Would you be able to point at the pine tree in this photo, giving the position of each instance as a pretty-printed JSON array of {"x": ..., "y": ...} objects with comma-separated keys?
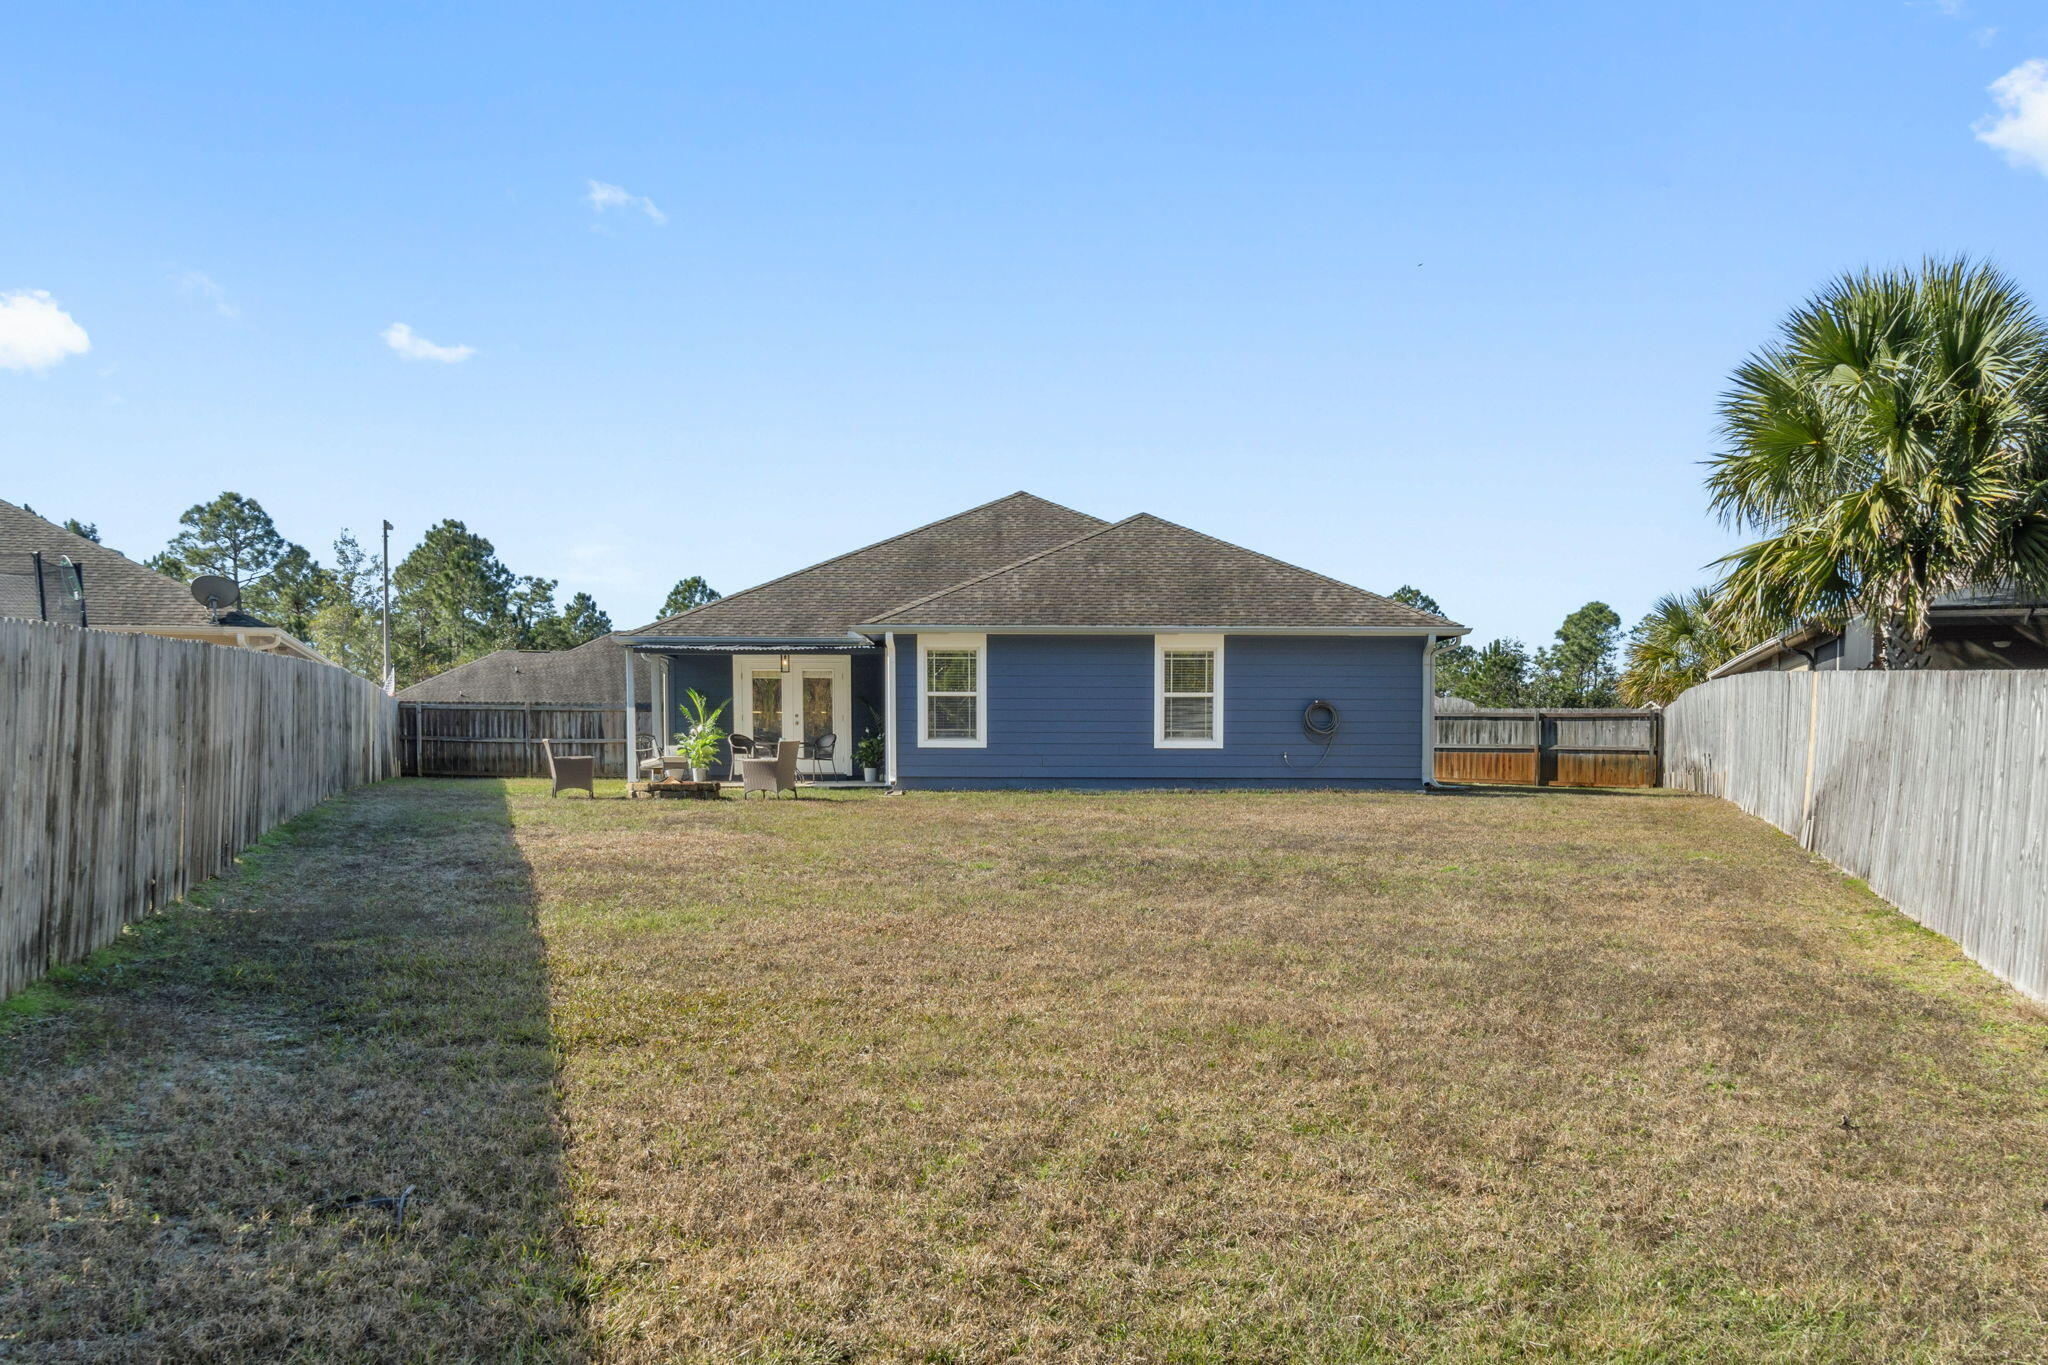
[
  {"x": 232, "y": 536},
  {"x": 584, "y": 620},
  {"x": 688, "y": 594},
  {"x": 348, "y": 627},
  {"x": 1494, "y": 675},
  {"x": 453, "y": 602},
  {"x": 291, "y": 594},
  {"x": 1579, "y": 670}
]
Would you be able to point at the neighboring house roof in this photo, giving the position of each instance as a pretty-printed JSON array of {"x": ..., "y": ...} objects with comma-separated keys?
[
  {"x": 1145, "y": 572},
  {"x": 1785, "y": 642},
  {"x": 1950, "y": 617},
  {"x": 832, "y": 599},
  {"x": 119, "y": 593},
  {"x": 592, "y": 673}
]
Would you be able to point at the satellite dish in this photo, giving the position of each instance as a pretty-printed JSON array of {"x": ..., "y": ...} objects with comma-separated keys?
[{"x": 214, "y": 592}]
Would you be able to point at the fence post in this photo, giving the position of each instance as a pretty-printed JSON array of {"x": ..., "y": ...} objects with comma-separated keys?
[{"x": 1812, "y": 745}]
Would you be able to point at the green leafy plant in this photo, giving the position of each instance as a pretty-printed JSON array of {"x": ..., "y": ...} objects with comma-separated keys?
[
  {"x": 698, "y": 745},
  {"x": 1682, "y": 640},
  {"x": 871, "y": 752}
]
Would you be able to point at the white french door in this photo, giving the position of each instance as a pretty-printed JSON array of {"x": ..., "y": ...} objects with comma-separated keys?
[{"x": 813, "y": 697}]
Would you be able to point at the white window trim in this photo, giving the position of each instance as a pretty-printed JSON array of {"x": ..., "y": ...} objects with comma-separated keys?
[
  {"x": 977, "y": 643},
  {"x": 1160, "y": 645}
]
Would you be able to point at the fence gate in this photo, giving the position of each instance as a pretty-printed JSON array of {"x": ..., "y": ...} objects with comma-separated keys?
[{"x": 1579, "y": 748}]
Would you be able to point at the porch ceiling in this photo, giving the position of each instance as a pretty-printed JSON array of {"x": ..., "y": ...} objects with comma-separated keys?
[{"x": 755, "y": 647}]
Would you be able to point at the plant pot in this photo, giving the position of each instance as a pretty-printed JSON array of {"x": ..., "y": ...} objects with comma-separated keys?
[
  {"x": 700, "y": 774},
  {"x": 872, "y": 774}
]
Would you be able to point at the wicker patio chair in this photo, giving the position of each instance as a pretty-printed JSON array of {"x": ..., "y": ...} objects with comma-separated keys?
[
  {"x": 771, "y": 775},
  {"x": 570, "y": 773}
]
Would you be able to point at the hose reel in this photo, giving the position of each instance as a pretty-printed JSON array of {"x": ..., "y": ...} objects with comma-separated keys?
[{"x": 1320, "y": 721}]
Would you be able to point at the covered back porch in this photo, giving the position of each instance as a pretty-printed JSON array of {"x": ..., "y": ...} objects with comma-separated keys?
[{"x": 829, "y": 695}]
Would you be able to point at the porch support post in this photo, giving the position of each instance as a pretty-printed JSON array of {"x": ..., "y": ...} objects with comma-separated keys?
[
  {"x": 889, "y": 707},
  {"x": 665, "y": 708},
  {"x": 1429, "y": 710},
  {"x": 632, "y": 726}
]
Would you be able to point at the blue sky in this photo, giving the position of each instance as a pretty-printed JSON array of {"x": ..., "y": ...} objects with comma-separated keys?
[{"x": 1431, "y": 294}]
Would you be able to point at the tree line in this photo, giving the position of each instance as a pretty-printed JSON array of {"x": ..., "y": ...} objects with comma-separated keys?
[
  {"x": 1889, "y": 447},
  {"x": 452, "y": 598},
  {"x": 1579, "y": 669}
]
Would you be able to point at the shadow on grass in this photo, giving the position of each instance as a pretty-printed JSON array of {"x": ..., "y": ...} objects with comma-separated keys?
[
  {"x": 190, "y": 1132},
  {"x": 1475, "y": 789}
]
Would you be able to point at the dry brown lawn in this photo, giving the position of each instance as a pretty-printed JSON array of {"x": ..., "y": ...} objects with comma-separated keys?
[{"x": 1147, "y": 1077}]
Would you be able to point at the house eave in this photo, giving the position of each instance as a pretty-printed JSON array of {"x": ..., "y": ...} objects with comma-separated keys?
[
  {"x": 1441, "y": 632},
  {"x": 259, "y": 639},
  {"x": 1777, "y": 644},
  {"x": 754, "y": 644}
]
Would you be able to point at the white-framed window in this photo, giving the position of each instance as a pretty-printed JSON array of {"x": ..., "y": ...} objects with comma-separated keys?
[
  {"x": 952, "y": 691},
  {"x": 1187, "y": 692}
]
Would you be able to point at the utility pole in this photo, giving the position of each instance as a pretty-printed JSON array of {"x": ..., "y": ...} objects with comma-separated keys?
[{"x": 389, "y": 681}]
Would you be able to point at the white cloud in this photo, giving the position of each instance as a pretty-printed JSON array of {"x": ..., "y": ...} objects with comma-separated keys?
[
  {"x": 2020, "y": 128},
  {"x": 202, "y": 286},
  {"x": 35, "y": 333},
  {"x": 403, "y": 340},
  {"x": 603, "y": 196}
]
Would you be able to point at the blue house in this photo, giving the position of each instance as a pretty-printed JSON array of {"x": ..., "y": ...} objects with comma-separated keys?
[{"x": 1025, "y": 644}]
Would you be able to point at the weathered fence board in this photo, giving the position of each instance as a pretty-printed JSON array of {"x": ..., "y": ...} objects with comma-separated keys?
[
  {"x": 136, "y": 767},
  {"x": 1581, "y": 748},
  {"x": 502, "y": 739},
  {"x": 1930, "y": 785}
]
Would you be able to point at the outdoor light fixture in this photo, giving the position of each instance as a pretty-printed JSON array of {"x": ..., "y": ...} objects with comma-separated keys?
[{"x": 785, "y": 663}]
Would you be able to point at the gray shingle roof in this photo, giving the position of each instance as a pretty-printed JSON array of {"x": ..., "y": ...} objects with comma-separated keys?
[
  {"x": 1144, "y": 572},
  {"x": 833, "y": 598},
  {"x": 592, "y": 673},
  {"x": 118, "y": 591}
]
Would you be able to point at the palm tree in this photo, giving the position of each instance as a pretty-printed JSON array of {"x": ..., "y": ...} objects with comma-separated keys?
[
  {"x": 1674, "y": 647},
  {"x": 1893, "y": 446}
]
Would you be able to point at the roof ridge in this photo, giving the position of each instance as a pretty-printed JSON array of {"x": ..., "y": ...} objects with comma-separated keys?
[
  {"x": 883, "y": 618},
  {"x": 873, "y": 545},
  {"x": 63, "y": 530},
  {"x": 1013, "y": 564},
  {"x": 1312, "y": 573},
  {"x": 133, "y": 582}
]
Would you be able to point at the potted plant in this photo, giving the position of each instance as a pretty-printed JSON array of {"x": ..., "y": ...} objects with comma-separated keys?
[
  {"x": 870, "y": 753},
  {"x": 698, "y": 745}
]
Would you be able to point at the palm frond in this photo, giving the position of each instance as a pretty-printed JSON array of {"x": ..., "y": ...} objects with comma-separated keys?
[{"x": 1891, "y": 446}]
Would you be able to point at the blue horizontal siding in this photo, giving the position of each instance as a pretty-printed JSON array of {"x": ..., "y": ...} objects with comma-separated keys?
[{"x": 1076, "y": 711}]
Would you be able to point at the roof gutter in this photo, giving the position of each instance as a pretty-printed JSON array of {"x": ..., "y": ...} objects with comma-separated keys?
[
  {"x": 1778, "y": 643},
  {"x": 1412, "y": 632},
  {"x": 769, "y": 643}
]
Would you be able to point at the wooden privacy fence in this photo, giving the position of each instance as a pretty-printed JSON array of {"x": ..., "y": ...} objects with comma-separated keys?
[
  {"x": 136, "y": 767},
  {"x": 1577, "y": 748},
  {"x": 1930, "y": 785},
  {"x": 502, "y": 739}
]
